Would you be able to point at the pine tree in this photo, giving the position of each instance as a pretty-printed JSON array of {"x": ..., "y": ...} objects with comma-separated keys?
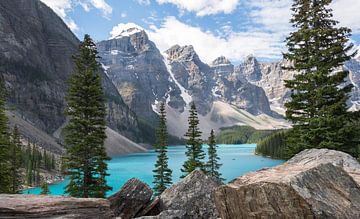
[
  {"x": 53, "y": 162},
  {"x": 85, "y": 133},
  {"x": 162, "y": 173},
  {"x": 213, "y": 165},
  {"x": 5, "y": 178},
  {"x": 44, "y": 189},
  {"x": 194, "y": 153},
  {"x": 317, "y": 51},
  {"x": 15, "y": 162}
]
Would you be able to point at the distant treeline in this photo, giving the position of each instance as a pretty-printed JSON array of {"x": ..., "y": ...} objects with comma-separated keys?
[
  {"x": 241, "y": 135},
  {"x": 273, "y": 145}
]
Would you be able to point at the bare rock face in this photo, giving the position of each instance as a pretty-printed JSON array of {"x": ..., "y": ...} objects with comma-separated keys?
[
  {"x": 307, "y": 186},
  {"x": 39, "y": 206},
  {"x": 131, "y": 199},
  {"x": 36, "y": 62},
  {"x": 193, "y": 195},
  {"x": 313, "y": 157}
]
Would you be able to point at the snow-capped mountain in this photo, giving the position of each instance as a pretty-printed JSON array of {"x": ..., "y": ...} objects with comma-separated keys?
[
  {"x": 144, "y": 76},
  {"x": 271, "y": 76}
]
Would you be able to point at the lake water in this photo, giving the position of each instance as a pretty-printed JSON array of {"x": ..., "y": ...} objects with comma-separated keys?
[{"x": 236, "y": 160}]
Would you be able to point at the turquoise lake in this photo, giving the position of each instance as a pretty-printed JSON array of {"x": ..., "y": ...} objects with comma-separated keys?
[{"x": 236, "y": 160}]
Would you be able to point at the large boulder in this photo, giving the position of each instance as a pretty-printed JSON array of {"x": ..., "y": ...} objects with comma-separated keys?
[
  {"x": 313, "y": 184},
  {"x": 193, "y": 195},
  {"x": 40, "y": 206},
  {"x": 131, "y": 199},
  {"x": 313, "y": 157}
]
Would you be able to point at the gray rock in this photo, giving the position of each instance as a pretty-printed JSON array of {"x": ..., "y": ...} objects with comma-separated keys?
[
  {"x": 36, "y": 61},
  {"x": 131, "y": 199},
  {"x": 313, "y": 157},
  {"x": 308, "y": 186},
  {"x": 40, "y": 206},
  {"x": 193, "y": 194},
  {"x": 168, "y": 214}
]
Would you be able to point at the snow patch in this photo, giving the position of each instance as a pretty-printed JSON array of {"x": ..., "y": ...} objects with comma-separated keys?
[
  {"x": 154, "y": 106},
  {"x": 114, "y": 52},
  {"x": 184, "y": 93},
  {"x": 105, "y": 68}
]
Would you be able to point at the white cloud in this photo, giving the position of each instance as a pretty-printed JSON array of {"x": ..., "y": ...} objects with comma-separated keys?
[
  {"x": 274, "y": 15},
  {"x": 102, "y": 6},
  {"x": 143, "y": 2},
  {"x": 235, "y": 46},
  {"x": 121, "y": 29},
  {"x": 347, "y": 12},
  {"x": 123, "y": 15},
  {"x": 204, "y": 7},
  {"x": 62, "y": 7}
]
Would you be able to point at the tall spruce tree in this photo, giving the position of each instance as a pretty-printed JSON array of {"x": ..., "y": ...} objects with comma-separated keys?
[
  {"x": 195, "y": 154},
  {"x": 85, "y": 133},
  {"x": 44, "y": 188},
  {"x": 15, "y": 162},
  {"x": 5, "y": 178},
  {"x": 162, "y": 172},
  {"x": 213, "y": 165},
  {"x": 317, "y": 51}
]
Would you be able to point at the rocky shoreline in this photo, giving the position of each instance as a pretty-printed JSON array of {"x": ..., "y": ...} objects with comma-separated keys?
[{"x": 316, "y": 183}]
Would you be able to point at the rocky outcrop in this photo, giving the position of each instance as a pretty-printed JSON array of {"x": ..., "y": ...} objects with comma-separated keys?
[
  {"x": 39, "y": 206},
  {"x": 131, "y": 199},
  {"x": 314, "y": 184},
  {"x": 192, "y": 195},
  {"x": 271, "y": 77},
  {"x": 36, "y": 51},
  {"x": 139, "y": 73}
]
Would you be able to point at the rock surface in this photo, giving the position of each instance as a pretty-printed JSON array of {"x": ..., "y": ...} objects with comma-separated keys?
[
  {"x": 35, "y": 206},
  {"x": 36, "y": 51},
  {"x": 131, "y": 199},
  {"x": 193, "y": 195},
  {"x": 307, "y": 186}
]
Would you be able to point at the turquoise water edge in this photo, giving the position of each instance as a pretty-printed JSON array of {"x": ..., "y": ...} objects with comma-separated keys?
[{"x": 236, "y": 160}]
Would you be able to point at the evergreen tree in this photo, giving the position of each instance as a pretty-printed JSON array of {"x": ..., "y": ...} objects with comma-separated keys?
[
  {"x": 317, "y": 51},
  {"x": 162, "y": 173},
  {"x": 85, "y": 133},
  {"x": 15, "y": 162},
  {"x": 44, "y": 189},
  {"x": 53, "y": 162},
  {"x": 29, "y": 165},
  {"x": 194, "y": 153},
  {"x": 4, "y": 143},
  {"x": 213, "y": 165}
]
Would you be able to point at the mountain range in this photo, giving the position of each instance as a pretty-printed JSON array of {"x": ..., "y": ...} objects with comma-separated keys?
[{"x": 36, "y": 62}]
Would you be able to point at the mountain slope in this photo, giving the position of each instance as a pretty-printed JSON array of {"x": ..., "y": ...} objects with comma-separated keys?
[
  {"x": 36, "y": 49},
  {"x": 271, "y": 77},
  {"x": 144, "y": 76}
]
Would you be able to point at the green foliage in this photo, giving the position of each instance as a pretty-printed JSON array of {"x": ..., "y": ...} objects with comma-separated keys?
[
  {"x": 44, "y": 189},
  {"x": 162, "y": 173},
  {"x": 241, "y": 135},
  {"x": 148, "y": 134},
  {"x": 213, "y": 165},
  {"x": 318, "y": 110},
  {"x": 273, "y": 145},
  {"x": 5, "y": 174},
  {"x": 15, "y": 156},
  {"x": 194, "y": 153},
  {"x": 85, "y": 132}
]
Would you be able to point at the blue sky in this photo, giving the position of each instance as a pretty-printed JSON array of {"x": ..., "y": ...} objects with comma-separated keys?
[{"x": 233, "y": 28}]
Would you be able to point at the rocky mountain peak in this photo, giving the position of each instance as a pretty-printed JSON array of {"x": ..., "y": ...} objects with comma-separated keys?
[
  {"x": 251, "y": 68},
  {"x": 220, "y": 61},
  {"x": 182, "y": 53},
  {"x": 126, "y": 30}
]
